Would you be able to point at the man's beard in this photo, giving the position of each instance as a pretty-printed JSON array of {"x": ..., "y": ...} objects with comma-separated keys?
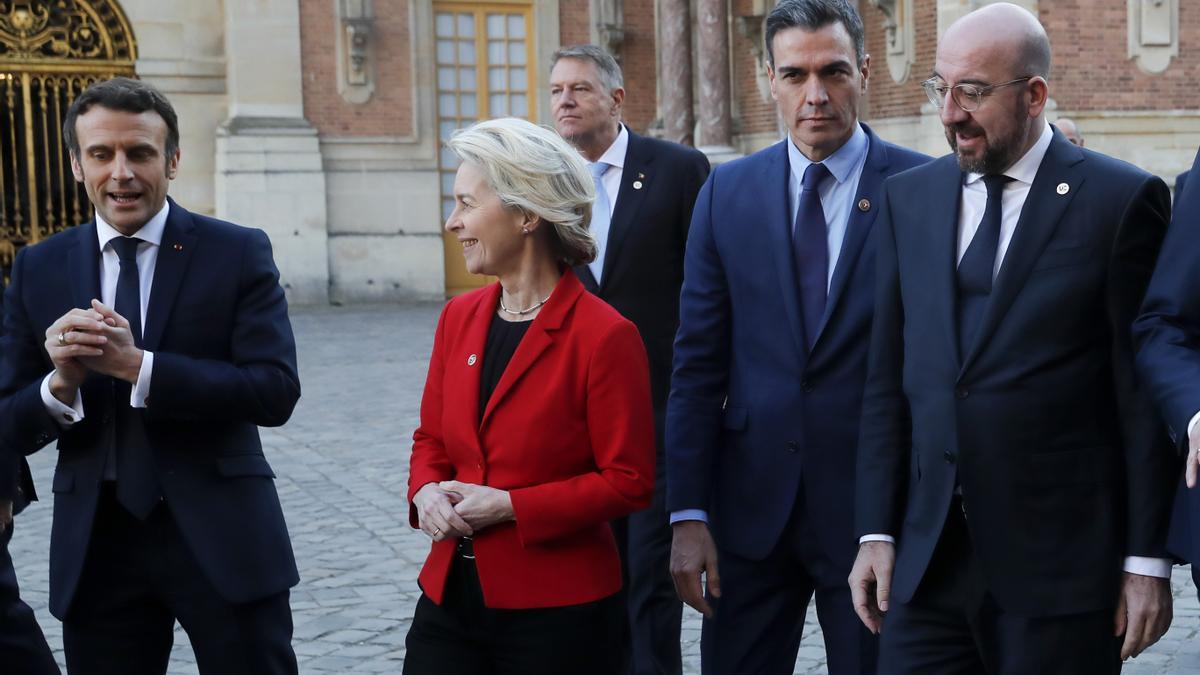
[{"x": 997, "y": 156}]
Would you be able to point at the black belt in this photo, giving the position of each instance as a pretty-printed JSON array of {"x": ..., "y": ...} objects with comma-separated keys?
[{"x": 466, "y": 548}]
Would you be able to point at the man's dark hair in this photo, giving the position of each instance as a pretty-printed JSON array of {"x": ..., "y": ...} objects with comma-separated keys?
[
  {"x": 812, "y": 15},
  {"x": 126, "y": 95}
]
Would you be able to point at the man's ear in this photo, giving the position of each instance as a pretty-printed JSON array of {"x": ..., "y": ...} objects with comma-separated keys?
[{"x": 76, "y": 169}]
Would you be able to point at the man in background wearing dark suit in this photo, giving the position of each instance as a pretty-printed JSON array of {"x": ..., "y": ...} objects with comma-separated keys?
[
  {"x": 23, "y": 648},
  {"x": 771, "y": 357},
  {"x": 1168, "y": 338},
  {"x": 1010, "y": 471},
  {"x": 645, "y": 190},
  {"x": 152, "y": 343}
]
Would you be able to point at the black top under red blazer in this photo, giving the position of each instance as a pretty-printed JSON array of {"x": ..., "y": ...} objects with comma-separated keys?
[{"x": 568, "y": 432}]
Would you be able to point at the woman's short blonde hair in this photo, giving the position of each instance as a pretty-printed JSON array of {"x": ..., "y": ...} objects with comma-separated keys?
[{"x": 533, "y": 169}]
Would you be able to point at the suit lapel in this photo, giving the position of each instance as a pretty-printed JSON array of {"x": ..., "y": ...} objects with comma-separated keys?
[
  {"x": 475, "y": 343},
  {"x": 870, "y": 185},
  {"x": 178, "y": 244},
  {"x": 1043, "y": 209},
  {"x": 84, "y": 259},
  {"x": 943, "y": 246},
  {"x": 777, "y": 202},
  {"x": 638, "y": 170},
  {"x": 537, "y": 340}
]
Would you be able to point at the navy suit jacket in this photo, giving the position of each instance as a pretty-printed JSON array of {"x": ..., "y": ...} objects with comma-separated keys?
[
  {"x": 1180, "y": 184},
  {"x": 16, "y": 483},
  {"x": 753, "y": 418},
  {"x": 1168, "y": 337},
  {"x": 1058, "y": 452},
  {"x": 224, "y": 364}
]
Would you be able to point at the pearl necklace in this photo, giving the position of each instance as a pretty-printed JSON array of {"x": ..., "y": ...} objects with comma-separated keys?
[{"x": 521, "y": 312}]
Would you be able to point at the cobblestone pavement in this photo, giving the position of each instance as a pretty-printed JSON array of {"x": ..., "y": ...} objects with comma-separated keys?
[{"x": 342, "y": 465}]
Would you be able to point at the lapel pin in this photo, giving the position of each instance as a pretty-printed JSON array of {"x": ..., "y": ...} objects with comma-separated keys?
[
  {"x": 641, "y": 175},
  {"x": 178, "y": 247},
  {"x": 471, "y": 360},
  {"x": 1063, "y": 188},
  {"x": 864, "y": 205},
  {"x": 637, "y": 185}
]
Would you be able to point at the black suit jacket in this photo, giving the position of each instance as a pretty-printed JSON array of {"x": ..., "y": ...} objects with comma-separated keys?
[
  {"x": 1061, "y": 460},
  {"x": 1180, "y": 183},
  {"x": 16, "y": 483},
  {"x": 224, "y": 364},
  {"x": 643, "y": 262}
]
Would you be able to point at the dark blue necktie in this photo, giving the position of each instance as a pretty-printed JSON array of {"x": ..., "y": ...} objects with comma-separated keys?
[
  {"x": 811, "y": 250},
  {"x": 977, "y": 265},
  {"x": 137, "y": 486}
]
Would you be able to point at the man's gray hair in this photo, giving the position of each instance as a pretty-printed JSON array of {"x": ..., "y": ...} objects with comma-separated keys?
[
  {"x": 534, "y": 170},
  {"x": 812, "y": 15},
  {"x": 606, "y": 65}
]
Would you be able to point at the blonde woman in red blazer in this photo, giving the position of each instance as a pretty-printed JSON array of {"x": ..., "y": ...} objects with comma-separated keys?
[{"x": 536, "y": 427}]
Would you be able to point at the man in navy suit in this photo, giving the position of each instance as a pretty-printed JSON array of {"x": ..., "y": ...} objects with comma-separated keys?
[
  {"x": 1168, "y": 338},
  {"x": 152, "y": 343},
  {"x": 645, "y": 191},
  {"x": 23, "y": 648},
  {"x": 1013, "y": 485},
  {"x": 770, "y": 360}
]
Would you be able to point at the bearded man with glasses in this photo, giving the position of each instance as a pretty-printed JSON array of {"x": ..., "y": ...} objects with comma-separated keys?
[{"x": 1013, "y": 483}]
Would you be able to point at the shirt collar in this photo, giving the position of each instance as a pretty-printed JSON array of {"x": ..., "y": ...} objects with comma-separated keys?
[
  {"x": 841, "y": 163},
  {"x": 151, "y": 232},
  {"x": 615, "y": 154},
  {"x": 1026, "y": 168}
]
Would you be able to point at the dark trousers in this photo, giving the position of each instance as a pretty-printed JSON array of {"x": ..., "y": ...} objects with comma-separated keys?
[
  {"x": 759, "y": 618},
  {"x": 463, "y": 637},
  {"x": 23, "y": 648},
  {"x": 655, "y": 611},
  {"x": 139, "y": 578},
  {"x": 953, "y": 625}
]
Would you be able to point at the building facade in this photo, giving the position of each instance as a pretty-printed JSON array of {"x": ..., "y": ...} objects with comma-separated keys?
[{"x": 322, "y": 121}]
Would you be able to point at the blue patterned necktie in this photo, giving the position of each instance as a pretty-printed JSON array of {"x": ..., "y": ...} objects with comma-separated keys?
[
  {"x": 978, "y": 264},
  {"x": 601, "y": 217},
  {"x": 810, "y": 247}
]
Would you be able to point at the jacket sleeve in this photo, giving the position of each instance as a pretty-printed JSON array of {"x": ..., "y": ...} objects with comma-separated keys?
[
  {"x": 259, "y": 384},
  {"x": 429, "y": 462},
  {"x": 699, "y": 382},
  {"x": 885, "y": 433},
  {"x": 621, "y": 432},
  {"x": 1151, "y": 468}
]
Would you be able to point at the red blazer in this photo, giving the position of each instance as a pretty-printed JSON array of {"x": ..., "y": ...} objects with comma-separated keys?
[{"x": 569, "y": 432}]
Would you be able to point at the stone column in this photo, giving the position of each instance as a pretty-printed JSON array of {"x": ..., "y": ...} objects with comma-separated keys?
[
  {"x": 269, "y": 168},
  {"x": 715, "y": 137},
  {"x": 679, "y": 120}
]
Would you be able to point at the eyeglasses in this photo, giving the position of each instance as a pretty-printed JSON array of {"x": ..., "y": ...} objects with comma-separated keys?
[{"x": 966, "y": 96}]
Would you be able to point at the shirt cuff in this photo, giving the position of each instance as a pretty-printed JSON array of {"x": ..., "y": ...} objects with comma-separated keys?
[
  {"x": 876, "y": 537},
  {"x": 1192, "y": 424},
  {"x": 141, "y": 389},
  {"x": 689, "y": 514},
  {"x": 64, "y": 415},
  {"x": 1148, "y": 567}
]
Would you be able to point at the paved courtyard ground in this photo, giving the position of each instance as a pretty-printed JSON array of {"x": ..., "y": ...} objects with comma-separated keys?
[{"x": 342, "y": 463}]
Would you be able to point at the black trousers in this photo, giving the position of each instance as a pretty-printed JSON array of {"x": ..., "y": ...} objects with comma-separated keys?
[
  {"x": 139, "y": 578},
  {"x": 655, "y": 611},
  {"x": 759, "y": 618},
  {"x": 23, "y": 648},
  {"x": 953, "y": 625},
  {"x": 463, "y": 637}
]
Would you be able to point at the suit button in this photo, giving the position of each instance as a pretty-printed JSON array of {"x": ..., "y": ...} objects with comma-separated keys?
[
  {"x": 961, "y": 392},
  {"x": 807, "y": 385},
  {"x": 793, "y": 446},
  {"x": 949, "y": 457}
]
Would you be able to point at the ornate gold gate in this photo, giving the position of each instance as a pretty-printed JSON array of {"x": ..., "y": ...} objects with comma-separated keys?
[{"x": 50, "y": 50}]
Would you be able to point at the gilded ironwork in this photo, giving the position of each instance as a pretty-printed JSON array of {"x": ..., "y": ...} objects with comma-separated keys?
[{"x": 50, "y": 50}]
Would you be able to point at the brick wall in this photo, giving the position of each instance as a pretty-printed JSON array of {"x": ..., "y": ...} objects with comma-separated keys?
[
  {"x": 752, "y": 112},
  {"x": 1091, "y": 68},
  {"x": 886, "y": 98},
  {"x": 574, "y": 20},
  {"x": 639, "y": 63},
  {"x": 390, "y": 110}
]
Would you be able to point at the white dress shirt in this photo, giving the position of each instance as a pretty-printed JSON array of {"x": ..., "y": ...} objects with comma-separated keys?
[
  {"x": 614, "y": 156},
  {"x": 110, "y": 268},
  {"x": 973, "y": 203}
]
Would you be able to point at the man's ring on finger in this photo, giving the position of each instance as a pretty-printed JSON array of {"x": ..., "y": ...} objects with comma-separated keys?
[{"x": 62, "y": 339}]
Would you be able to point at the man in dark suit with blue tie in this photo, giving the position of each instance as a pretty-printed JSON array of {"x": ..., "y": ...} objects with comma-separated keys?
[
  {"x": 23, "y": 648},
  {"x": 1168, "y": 338},
  {"x": 645, "y": 190},
  {"x": 1013, "y": 485},
  {"x": 152, "y": 343},
  {"x": 770, "y": 360}
]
